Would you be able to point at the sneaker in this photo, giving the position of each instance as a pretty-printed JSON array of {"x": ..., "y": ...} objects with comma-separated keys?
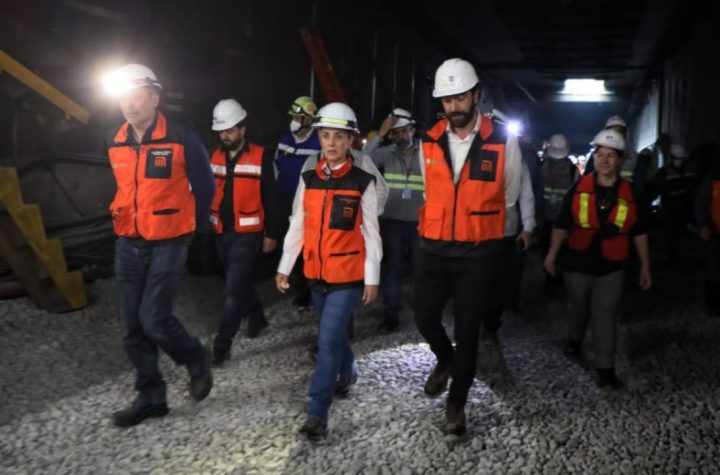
[
  {"x": 202, "y": 383},
  {"x": 220, "y": 356},
  {"x": 606, "y": 378},
  {"x": 572, "y": 349},
  {"x": 342, "y": 388},
  {"x": 388, "y": 325},
  {"x": 437, "y": 381},
  {"x": 454, "y": 430},
  {"x": 135, "y": 414},
  {"x": 314, "y": 429},
  {"x": 255, "y": 327}
]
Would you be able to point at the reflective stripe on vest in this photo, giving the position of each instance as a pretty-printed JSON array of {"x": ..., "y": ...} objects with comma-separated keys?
[
  {"x": 399, "y": 181},
  {"x": 583, "y": 214},
  {"x": 249, "y": 215}
]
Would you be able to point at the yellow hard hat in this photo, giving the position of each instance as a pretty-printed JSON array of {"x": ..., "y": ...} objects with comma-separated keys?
[{"x": 303, "y": 106}]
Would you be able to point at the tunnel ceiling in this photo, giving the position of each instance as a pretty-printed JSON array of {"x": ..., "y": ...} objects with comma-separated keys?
[{"x": 536, "y": 45}]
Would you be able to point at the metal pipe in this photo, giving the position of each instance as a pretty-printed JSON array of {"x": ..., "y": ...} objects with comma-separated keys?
[
  {"x": 412, "y": 82},
  {"x": 313, "y": 21},
  {"x": 395, "y": 69},
  {"x": 374, "y": 76}
]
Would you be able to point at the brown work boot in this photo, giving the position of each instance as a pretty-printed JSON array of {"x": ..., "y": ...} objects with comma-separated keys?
[
  {"x": 454, "y": 430},
  {"x": 437, "y": 381}
]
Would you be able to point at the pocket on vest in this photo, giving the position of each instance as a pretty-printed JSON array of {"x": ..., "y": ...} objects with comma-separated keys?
[
  {"x": 431, "y": 221},
  {"x": 344, "y": 212}
]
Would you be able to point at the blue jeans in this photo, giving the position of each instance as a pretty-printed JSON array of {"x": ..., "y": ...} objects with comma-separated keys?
[
  {"x": 399, "y": 237},
  {"x": 335, "y": 356},
  {"x": 148, "y": 275},
  {"x": 238, "y": 253}
]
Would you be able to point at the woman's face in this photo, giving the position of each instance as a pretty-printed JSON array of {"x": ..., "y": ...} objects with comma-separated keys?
[
  {"x": 335, "y": 143},
  {"x": 607, "y": 161}
]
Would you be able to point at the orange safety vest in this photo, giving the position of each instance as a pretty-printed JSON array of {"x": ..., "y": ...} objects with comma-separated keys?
[
  {"x": 153, "y": 199},
  {"x": 474, "y": 209},
  {"x": 715, "y": 207},
  {"x": 616, "y": 246},
  {"x": 249, "y": 215},
  {"x": 333, "y": 245}
]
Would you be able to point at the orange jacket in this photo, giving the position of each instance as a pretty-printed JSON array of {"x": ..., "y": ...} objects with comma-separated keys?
[
  {"x": 615, "y": 244},
  {"x": 249, "y": 215},
  {"x": 153, "y": 198},
  {"x": 474, "y": 209},
  {"x": 333, "y": 245}
]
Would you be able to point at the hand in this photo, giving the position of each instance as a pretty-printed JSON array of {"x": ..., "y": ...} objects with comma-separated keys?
[
  {"x": 269, "y": 245},
  {"x": 549, "y": 265},
  {"x": 704, "y": 233},
  {"x": 281, "y": 282},
  {"x": 387, "y": 125},
  {"x": 370, "y": 293},
  {"x": 525, "y": 237},
  {"x": 645, "y": 278}
]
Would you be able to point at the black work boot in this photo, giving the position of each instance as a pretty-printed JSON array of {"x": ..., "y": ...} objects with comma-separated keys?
[
  {"x": 137, "y": 413},
  {"x": 606, "y": 378},
  {"x": 573, "y": 349},
  {"x": 220, "y": 356},
  {"x": 255, "y": 326},
  {"x": 454, "y": 430},
  {"x": 202, "y": 381},
  {"x": 342, "y": 388},
  {"x": 437, "y": 381},
  {"x": 314, "y": 429}
]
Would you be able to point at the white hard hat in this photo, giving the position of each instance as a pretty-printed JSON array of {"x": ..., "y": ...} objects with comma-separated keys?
[
  {"x": 679, "y": 151},
  {"x": 454, "y": 76},
  {"x": 227, "y": 114},
  {"x": 615, "y": 121},
  {"x": 558, "y": 146},
  {"x": 129, "y": 77},
  {"x": 336, "y": 115},
  {"x": 404, "y": 118},
  {"x": 609, "y": 138}
]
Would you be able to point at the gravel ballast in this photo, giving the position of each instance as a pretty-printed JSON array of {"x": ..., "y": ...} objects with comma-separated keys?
[{"x": 529, "y": 411}]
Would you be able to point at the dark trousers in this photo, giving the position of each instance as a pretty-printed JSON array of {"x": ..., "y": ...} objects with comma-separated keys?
[
  {"x": 238, "y": 253},
  {"x": 148, "y": 275},
  {"x": 506, "y": 277},
  {"x": 401, "y": 244},
  {"x": 470, "y": 281}
]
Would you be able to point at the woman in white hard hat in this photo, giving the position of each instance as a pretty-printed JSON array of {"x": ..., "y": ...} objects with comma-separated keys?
[
  {"x": 599, "y": 216},
  {"x": 334, "y": 223}
]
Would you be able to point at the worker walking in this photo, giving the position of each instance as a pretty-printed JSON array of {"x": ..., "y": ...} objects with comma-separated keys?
[
  {"x": 334, "y": 224},
  {"x": 164, "y": 188},
  {"x": 298, "y": 143},
  {"x": 401, "y": 169},
  {"x": 245, "y": 215},
  {"x": 600, "y": 215},
  {"x": 472, "y": 174},
  {"x": 558, "y": 174}
]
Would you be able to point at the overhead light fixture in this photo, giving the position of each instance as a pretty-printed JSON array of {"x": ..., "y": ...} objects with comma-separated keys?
[{"x": 585, "y": 90}]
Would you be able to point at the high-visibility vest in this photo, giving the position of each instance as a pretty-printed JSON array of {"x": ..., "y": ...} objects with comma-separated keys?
[
  {"x": 474, "y": 209},
  {"x": 333, "y": 245},
  {"x": 615, "y": 242},
  {"x": 248, "y": 212},
  {"x": 153, "y": 199}
]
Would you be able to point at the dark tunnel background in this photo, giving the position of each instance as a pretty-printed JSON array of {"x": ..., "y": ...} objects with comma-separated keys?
[{"x": 657, "y": 59}]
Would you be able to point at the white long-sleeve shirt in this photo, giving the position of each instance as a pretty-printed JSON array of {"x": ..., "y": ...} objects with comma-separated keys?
[
  {"x": 526, "y": 202},
  {"x": 369, "y": 228}
]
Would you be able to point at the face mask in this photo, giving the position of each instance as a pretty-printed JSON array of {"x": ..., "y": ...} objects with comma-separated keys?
[
  {"x": 295, "y": 126},
  {"x": 402, "y": 144}
]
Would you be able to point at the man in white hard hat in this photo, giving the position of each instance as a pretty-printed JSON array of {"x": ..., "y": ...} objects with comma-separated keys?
[
  {"x": 164, "y": 189},
  {"x": 245, "y": 214},
  {"x": 401, "y": 168},
  {"x": 472, "y": 172},
  {"x": 675, "y": 183},
  {"x": 296, "y": 144},
  {"x": 558, "y": 175}
]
